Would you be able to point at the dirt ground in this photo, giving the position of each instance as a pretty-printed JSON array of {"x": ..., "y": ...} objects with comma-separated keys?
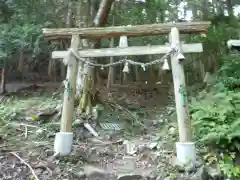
[{"x": 144, "y": 120}]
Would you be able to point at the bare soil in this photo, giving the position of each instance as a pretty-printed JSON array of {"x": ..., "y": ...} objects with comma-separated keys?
[{"x": 106, "y": 156}]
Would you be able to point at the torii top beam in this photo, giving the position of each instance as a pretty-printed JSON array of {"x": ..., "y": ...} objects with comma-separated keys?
[{"x": 130, "y": 31}]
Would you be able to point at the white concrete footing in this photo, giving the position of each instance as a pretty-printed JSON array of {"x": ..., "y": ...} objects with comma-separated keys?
[
  {"x": 63, "y": 143},
  {"x": 186, "y": 152}
]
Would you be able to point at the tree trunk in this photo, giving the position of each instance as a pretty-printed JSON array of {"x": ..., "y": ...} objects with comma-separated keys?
[
  {"x": 174, "y": 14},
  {"x": 21, "y": 61},
  {"x": 68, "y": 25},
  {"x": 83, "y": 81},
  {"x": 229, "y": 7},
  {"x": 52, "y": 72},
  {"x": 194, "y": 10},
  {"x": 202, "y": 70},
  {"x": 137, "y": 73},
  {"x": 152, "y": 79},
  {"x": 205, "y": 10},
  {"x": 125, "y": 78},
  {"x": 111, "y": 68},
  {"x": 86, "y": 90},
  {"x": 54, "y": 69},
  {"x": 103, "y": 11},
  {"x": 52, "y": 65},
  {"x": 3, "y": 81}
]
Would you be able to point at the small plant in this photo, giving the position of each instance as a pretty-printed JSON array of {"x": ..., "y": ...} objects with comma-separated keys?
[{"x": 228, "y": 168}]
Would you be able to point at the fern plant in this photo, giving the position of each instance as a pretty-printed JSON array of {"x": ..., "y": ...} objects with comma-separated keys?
[{"x": 216, "y": 119}]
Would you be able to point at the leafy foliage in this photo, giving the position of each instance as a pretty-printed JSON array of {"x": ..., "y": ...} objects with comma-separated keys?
[
  {"x": 21, "y": 25},
  {"x": 216, "y": 119},
  {"x": 216, "y": 115},
  {"x": 226, "y": 164},
  {"x": 229, "y": 75}
]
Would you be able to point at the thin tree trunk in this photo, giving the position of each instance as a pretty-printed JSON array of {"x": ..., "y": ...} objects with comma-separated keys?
[
  {"x": 84, "y": 11},
  {"x": 194, "y": 10},
  {"x": 120, "y": 74},
  {"x": 103, "y": 11},
  {"x": 68, "y": 25},
  {"x": 229, "y": 7},
  {"x": 52, "y": 65},
  {"x": 3, "y": 81},
  {"x": 52, "y": 69},
  {"x": 202, "y": 70},
  {"x": 152, "y": 79},
  {"x": 69, "y": 15},
  {"x": 21, "y": 61},
  {"x": 125, "y": 78},
  {"x": 205, "y": 10},
  {"x": 82, "y": 78},
  {"x": 62, "y": 66},
  {"x": 111, "y": 68},
  {"x": 137, "y": 75}
]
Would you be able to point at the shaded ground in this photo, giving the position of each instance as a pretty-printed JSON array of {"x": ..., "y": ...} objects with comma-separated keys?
[{"x": 29, "y": 122}]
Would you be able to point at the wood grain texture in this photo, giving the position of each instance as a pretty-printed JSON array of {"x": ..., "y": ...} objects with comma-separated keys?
[
  {"x": 129, "y": 51},
  {"x": 117, "y": 31}
]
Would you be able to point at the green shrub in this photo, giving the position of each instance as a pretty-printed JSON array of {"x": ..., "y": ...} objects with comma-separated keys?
[
  {"x": 216, "y": 119},
  {"x": 229, "y": 74},
  {"x": 216, "y": 116}
]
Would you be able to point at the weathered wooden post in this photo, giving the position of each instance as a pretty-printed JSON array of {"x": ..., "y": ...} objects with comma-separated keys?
[
  {"x": 185, "y": 148},
  {"x": 63, "y": 139}
]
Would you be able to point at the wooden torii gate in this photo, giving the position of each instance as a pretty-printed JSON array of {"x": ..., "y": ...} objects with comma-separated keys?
[{"x": 185, "y": 148}]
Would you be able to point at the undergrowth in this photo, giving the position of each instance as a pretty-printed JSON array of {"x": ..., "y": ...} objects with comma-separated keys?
[
  {"x": 18, "y": 129},
  {"x": 216, "y": 117}
]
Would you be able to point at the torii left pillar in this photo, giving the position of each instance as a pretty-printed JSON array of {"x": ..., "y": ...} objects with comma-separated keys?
[{"x": 64, "y": 139}]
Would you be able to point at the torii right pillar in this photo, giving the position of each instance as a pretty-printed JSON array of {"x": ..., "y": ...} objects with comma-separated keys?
[{"x": 186, "y": 151}]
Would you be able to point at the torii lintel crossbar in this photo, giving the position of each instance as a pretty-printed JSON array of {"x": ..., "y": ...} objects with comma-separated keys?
[
  {"x": 130, "y": 31},
  {"x": 129, "y": 51}
]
